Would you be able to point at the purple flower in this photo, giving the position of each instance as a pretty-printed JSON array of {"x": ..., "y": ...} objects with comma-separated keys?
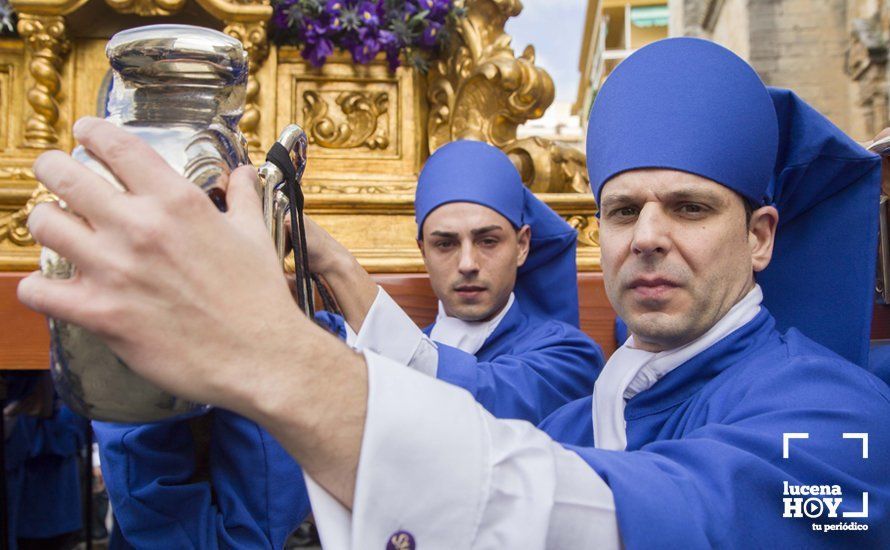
[
  {"x": 368, "y": 14},
  {"x": 315, "y": 29},
  {"x": 408, "y": 28},
  {"x": 334, "y": 6},
  {"x": 364, "y": 52},
  {"x": 333, "y": 10},
  {"x": 318, "y": 52},
  {"x": 430, "y": 36},
  {"x": 316, "y": 35},
  {"x": 436, "y": 8},
  {"x": 390, "y": 44},
  {"x": 283, "y": 12}
]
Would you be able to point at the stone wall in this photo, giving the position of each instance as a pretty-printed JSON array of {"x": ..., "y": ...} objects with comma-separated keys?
[
  {"x": 796, "y": 44},
  {"x": 732, "y": 28},
  {"x": 801, "y": 45}
]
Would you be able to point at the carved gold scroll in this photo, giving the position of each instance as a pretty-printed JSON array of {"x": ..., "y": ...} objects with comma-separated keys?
[{"x": 481, "y": 90}]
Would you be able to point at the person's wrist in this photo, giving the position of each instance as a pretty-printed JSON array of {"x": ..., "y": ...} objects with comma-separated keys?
[
  {"x": 281, "y": 366},
  {"x": 340, "y": 267},
  {"x": 335, "y": 262}
]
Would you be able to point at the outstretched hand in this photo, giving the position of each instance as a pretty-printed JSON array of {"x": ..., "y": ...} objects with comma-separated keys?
[{"x": 164, "y": 277}]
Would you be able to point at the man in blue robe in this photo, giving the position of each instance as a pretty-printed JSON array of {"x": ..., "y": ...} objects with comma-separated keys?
[
  {"x": 517, "y": 349},
  {"x": 502, "y": 265},
  {"x": 714, "y": 425}
]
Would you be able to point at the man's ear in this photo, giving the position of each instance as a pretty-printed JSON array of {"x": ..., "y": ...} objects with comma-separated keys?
[
  {"x": 524, "y": 238},
  {"x": 420, "y": 247},
  {"x": 762, "y": 236}
]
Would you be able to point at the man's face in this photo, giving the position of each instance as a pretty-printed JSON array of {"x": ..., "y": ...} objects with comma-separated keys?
[
  {"x": 677, "y": 254},
  {"x": 472, "y": 253}
]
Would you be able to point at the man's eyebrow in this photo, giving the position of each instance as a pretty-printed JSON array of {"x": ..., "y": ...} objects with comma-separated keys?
[
  {"x": 695, "y": 194},
  {"x": 486, "y": 229},
  {"x": 620, "y": 198},
  {"x": 474, "y": 232},
  {"x": 689, "y": 194}
]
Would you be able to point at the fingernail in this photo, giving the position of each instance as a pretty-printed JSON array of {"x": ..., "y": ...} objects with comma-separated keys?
[
  {"x": 82, "y": 125},
  {"x": 35, "y": 213}
]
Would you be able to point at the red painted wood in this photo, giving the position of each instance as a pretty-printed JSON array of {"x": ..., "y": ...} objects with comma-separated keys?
[{"x": 24, "y": 337}]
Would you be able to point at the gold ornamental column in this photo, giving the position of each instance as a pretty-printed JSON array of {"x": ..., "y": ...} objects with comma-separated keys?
[
  {"x": 42, "y": 28},
  {"x": 46, "y": 44},
  {"x": 255, "y": 39},
  {"x": 247, "y": 20}
]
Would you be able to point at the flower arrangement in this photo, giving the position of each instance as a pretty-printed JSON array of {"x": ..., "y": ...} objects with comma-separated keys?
[{"x": 364, "y": 28}]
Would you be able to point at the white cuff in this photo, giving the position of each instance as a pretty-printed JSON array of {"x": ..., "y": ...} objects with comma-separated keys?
[
  {"x": 333, "y": 520},
  {"x": 388, "y": 331},
  {"x": 417, "y": 431}
]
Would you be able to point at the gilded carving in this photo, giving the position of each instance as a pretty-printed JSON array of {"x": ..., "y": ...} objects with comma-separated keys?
[
  {"x": 146, "y": 8},
  {"x": 256, "y": 43},
  {"x": 407, "y": 189},
  {"x": 47, "y": 45},
  {"x": 481, "y": 90},
  {"x": 371, "y": 129},
  {"x": 238, "y": 10},
  {"x": 565, "y": 171},
  {"x": 14, "y": 226},
  {"x": 358, "y": 123},
  {"x": 588, "y": 229}
]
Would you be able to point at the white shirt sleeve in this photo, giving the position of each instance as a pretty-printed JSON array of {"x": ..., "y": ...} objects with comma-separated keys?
[
  {"x": 388, "y": 331},
  {"x": 437, "y": 468}
]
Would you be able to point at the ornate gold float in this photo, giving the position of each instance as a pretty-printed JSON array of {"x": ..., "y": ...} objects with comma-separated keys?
[{"x": 370, "y": 130}]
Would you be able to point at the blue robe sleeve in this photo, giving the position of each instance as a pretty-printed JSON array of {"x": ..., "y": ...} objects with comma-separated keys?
[
  {"x": 257, "y": 484},
  {"x": 149, "y": 468},
  {"x": 721, "y": 485},
  {"x": 549, "y": 367}
]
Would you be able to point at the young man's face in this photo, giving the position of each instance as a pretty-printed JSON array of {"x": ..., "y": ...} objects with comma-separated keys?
[
  {"x": 472, "y": 253},
  {"x": 677, "y": 254}
]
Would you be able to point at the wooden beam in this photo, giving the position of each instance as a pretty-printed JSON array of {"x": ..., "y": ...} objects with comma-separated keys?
[{"x": 24, "y": 336}]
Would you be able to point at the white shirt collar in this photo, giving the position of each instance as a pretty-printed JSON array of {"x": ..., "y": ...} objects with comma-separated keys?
[
  {"x": 468, "y": 336},
  {"x": 630, "y": 371}
]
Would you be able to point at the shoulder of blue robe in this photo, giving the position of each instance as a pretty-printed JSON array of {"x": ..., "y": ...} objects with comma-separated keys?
[
  {"x": 527, "y": 368},
  {"x": 715, "y": 459},
  {"x": 572, "y": 423},
  {"x": 149, "y": 471}
]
